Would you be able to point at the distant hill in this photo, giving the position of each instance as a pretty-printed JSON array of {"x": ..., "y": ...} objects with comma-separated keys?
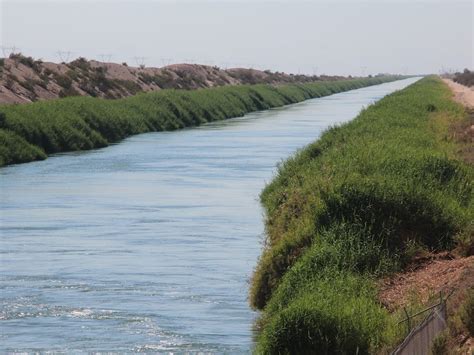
[{"x": 24, "y": 79}]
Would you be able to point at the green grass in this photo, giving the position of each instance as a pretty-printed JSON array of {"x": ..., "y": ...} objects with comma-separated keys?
[
  {"x": 348, "y": 209},
  {"x": 32, "y": 131}
]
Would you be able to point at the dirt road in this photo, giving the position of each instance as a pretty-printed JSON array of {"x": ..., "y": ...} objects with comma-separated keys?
[{"x": 462, "y": 94}]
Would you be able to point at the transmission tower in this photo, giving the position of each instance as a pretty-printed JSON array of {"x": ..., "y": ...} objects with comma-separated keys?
[
  {"x": 105, "y": 58},
  {"x": 64, "y": 56},
  {"x": 166, "y": 61},
  {"x": 140, "y": 61},
  {"x": 7, "y": 51}
]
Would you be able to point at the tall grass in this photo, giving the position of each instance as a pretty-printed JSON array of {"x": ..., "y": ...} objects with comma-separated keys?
[
  {"x": 346, "y": 210},
  {"x": 32, "y": 131}
]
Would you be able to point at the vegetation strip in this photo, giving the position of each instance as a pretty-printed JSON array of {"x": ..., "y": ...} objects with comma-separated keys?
[
  {"x": 32, "y": 131},
  {"x": 352, "y": 207},
  {"x": 465, "y": 78}
]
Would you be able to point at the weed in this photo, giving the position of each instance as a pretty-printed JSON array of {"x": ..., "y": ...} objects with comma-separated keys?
[
  {"x": 465, "y": 241},
  {"x": 467, "y": 315},
  {"x": 62, "y": 80},
  {"x": 440, "y": 345}
]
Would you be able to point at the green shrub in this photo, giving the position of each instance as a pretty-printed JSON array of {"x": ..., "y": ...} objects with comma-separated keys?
[
  {"x": 43, "y": 81},
  {"x": 467, "y": 315},
  {"x": 129, "y": 86},
  {"x": 146, "y": 78},
  {"x": 14, "y": 149},
  {"x": 73, "y": 75},
  {"x": 28, "y": 61},
  {"x": 465, "y": 78},
  {"x": 440, "y": 345},
  {"x": 28, "y": 84},
  {"x": 10, "y": 81},
  {"x": 465, "y": 241},
  {"x": 341, "y": 326},
  {"x": 62, "y": 80},
  {"x": 68, "y": 92},
  {"x": 80, "y": 63}
]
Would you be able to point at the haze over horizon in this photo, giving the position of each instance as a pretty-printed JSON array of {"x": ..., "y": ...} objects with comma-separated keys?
[{"x": 297, "y": 37}]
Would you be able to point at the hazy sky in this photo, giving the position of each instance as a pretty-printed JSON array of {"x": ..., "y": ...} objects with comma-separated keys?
[{"x": 333, "y": 37}]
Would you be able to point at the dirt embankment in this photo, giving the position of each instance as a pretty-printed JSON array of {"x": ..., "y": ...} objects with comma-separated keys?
[
  {"x": 24, "y": 79},
  {"x": 462, "y": 94},
  {"x": 424, "y": 281},
  {"x": 427, "y": 277},
  {"x": 463, "y": 131}
]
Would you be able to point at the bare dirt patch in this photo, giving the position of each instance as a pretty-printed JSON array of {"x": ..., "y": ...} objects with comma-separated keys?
[
  {"x": 462, "y": 94},
  {"x": 423, "y": 281},
  {"x": 426, "y": 277},
  {"x": 24, "y": 79},
  {"x": 463, "y": 133}
]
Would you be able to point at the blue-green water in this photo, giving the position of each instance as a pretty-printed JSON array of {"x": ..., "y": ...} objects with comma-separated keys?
[{"x": 148, "y": 245}]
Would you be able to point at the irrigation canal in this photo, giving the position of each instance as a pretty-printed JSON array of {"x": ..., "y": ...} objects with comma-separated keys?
[{"x": 148, "y": 245}]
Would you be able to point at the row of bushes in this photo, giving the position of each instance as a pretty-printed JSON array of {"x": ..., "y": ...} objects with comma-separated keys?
[
  {"x": 348, "y": 209},
  {"x": 32, "y": 131},
  {"x": 465, "y": 78}
]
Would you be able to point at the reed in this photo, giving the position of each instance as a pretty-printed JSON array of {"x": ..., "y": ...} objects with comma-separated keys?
[
  {"x": 348, "y": 209},
  {"x": 33, "y": 131}
]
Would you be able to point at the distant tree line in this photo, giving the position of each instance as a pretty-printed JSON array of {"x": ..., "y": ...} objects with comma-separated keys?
[{"x": 465, "y": 78}]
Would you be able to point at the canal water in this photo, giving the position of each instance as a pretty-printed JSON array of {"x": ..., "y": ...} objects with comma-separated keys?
[{"x": 148, "y": 245}]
